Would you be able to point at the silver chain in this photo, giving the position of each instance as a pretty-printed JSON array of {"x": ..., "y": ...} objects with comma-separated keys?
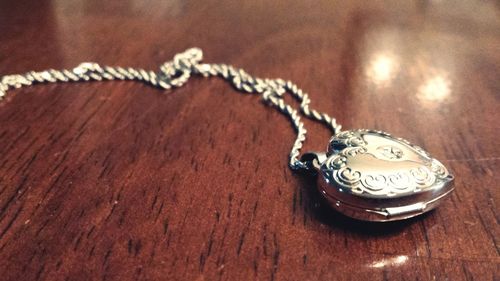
[{"x": 176, "y": 73}]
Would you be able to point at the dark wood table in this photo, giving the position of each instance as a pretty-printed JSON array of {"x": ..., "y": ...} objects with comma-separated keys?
[{"x": 122, "y": 181}]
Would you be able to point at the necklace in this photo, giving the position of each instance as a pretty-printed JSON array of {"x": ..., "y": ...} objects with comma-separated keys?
[{"x": 364, "y": 174}]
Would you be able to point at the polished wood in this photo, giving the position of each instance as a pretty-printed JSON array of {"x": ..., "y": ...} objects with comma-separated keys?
[{"x": 121, "y": 181}]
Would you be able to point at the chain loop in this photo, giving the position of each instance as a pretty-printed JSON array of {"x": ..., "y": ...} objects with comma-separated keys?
[{"x": 175, "y": 73}]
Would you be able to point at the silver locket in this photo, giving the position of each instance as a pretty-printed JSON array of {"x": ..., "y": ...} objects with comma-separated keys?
[
  {"x": 370, "y": 175},
  {"x": 365, "y": 174}
]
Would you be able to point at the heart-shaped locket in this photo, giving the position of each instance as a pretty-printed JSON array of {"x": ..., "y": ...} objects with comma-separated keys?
[
  {"x": 370, "y": 175},
  {"x": 365, "y": 174}
]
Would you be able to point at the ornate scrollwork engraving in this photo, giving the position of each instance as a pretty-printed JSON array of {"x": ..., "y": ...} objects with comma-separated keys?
[{"x": 374, "y": 163}]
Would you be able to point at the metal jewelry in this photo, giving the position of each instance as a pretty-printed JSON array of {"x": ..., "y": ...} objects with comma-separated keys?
[{"x": 364, "y": 174}]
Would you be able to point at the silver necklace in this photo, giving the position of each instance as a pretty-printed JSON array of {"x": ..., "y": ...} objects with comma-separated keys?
[{"x": 365, "y": 174}]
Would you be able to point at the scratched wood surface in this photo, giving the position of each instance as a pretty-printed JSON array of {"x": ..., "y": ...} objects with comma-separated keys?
[{"x": 121, "y": 181}]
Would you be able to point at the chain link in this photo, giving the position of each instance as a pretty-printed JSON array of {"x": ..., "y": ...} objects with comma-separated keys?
[{"x": 176, "y": 73}]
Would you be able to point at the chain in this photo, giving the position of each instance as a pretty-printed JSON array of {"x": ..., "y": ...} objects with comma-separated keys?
[{"x": 176, "y": 73}]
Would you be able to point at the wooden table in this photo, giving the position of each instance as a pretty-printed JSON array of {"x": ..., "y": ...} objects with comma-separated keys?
[{"x": 122, "y": 181}]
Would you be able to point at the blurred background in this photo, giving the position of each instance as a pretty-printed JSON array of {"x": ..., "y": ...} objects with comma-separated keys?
[{"x": 119, "y": 181}]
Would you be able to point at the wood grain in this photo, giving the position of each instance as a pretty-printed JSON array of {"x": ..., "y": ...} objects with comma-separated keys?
[{"x": 121, "y": 181}]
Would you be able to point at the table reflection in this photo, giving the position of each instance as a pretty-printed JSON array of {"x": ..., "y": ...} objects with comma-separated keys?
[
  {"x": 392, "y": 261},
  {"x": 435, "y": 89},
  {"x": 398, "y": 64},
  {"x": 382, "y": 69}
]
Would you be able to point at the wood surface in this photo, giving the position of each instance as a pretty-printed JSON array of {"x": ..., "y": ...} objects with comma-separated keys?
[{"x": 121, "y": 181}]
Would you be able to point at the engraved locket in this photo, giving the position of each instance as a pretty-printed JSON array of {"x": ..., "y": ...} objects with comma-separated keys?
[
  {"x": 370, "y": 175},
  {"x": 365, "y": 174}
]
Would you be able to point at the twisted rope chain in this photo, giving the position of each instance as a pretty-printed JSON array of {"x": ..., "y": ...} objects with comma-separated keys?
[{"x": 176, "y": 73}]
